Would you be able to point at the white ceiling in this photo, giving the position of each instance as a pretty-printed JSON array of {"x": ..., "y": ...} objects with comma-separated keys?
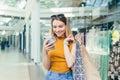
[
  {"x": 72, "y": 3},
  {"x": 48, "y": 4},
  {"x": 9, "y": 5},
  {"x": 13, "y": 3},
  {"x": 59, "y": 3}
]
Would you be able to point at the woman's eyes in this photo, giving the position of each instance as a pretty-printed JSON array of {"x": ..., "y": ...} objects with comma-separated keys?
[
  {"x": 54, "y": 26},
  {"x": 57, "y": 26},
  {"x": 60, "y": 26}
]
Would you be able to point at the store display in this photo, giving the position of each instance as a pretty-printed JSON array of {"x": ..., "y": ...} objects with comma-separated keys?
[
  {"x": 114, "y": 63},
  {"x": 98, "y": 46}
]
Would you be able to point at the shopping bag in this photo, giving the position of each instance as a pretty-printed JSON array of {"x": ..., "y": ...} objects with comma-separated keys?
[
  {"x": 91, "y": 72},
  {"x": 78, "y": 69}
]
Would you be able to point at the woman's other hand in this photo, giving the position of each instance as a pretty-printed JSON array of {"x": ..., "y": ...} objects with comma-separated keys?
[
  {"x": 68, "y": 40},
  {"x": 79, "y": 38}
]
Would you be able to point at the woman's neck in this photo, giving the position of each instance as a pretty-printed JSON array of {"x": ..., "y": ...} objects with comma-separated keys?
[{"x": 61, "y": 38}]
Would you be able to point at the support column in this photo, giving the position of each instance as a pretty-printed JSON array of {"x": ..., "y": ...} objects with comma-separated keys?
[
  {"x": 20, "y": 42},
  {"x": 35, "y": 32},
  {"x": 24, "y": 38},
  {"x": 28, "y": 41},
  {"x": 13, "y": 40}
]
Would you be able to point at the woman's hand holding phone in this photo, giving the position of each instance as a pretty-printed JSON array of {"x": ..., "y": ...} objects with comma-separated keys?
[{"x": 48, "y": 43}]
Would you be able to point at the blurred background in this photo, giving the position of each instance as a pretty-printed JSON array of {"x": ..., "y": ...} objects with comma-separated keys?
[{"x": 23, "y": 23}]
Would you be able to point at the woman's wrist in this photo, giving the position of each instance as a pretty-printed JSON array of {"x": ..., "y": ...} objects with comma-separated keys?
[
  {"x": 80, "y": 43},
  {"x": 66, "y": 43}
]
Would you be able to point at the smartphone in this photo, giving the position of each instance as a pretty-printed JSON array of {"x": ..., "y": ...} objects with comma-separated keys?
[{"x": 50, "y": 40}]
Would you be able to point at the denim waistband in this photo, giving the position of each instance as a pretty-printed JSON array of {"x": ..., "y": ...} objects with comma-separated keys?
[
  {"x": 60, "y": 73},
  {"x": 51, "y": 75}
]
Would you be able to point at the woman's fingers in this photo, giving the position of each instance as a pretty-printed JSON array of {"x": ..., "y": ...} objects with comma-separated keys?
[
  {"x": 78, "y": 37},
  {"x": 49, "y": 46},
  {"x": 46, "y": 41},
  {"x": 69, "y": 39},
  {"x": 69, "y": 36}
]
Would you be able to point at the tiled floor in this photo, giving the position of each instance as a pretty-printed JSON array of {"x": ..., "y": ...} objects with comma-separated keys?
[
  {"x": 13, "y": 66},
  {"x": 36, "y": 72}
]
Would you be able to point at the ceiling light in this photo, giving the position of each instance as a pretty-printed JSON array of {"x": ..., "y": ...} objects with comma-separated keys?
[
  {"x": 22, "y": 4},
  {"x": 56, "y": 2},
  {"x": 1, "y": 23},
  {"x": 17, "y": 33},
  {"x": 3, "y": 32}
]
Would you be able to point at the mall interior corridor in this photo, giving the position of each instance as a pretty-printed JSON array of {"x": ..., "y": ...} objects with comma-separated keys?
[{"x": 24, "y": 24}]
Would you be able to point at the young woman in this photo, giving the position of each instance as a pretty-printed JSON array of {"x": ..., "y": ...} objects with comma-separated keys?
[{"x": 59, "y": 61}]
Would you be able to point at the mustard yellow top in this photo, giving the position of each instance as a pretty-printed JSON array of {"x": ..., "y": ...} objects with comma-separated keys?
[{"x": 57, "y": 57}]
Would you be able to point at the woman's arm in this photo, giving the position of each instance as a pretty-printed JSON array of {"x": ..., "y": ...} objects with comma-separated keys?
[
  {"x": 46, "y": 60},
  {"x": 69, "y": 56}
]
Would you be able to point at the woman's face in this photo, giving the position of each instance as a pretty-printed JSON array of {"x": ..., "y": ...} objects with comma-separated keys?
[{"x": 59, "y": 28}]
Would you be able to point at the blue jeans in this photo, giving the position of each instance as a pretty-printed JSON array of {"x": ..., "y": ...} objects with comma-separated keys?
[{"x": 59, "y": 76}]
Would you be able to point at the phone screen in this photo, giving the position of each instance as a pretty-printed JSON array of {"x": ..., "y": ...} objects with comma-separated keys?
[{"x": 50, "y": 39}]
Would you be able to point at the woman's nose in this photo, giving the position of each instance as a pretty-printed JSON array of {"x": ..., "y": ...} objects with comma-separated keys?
[{"x": 57, "y": 29}]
